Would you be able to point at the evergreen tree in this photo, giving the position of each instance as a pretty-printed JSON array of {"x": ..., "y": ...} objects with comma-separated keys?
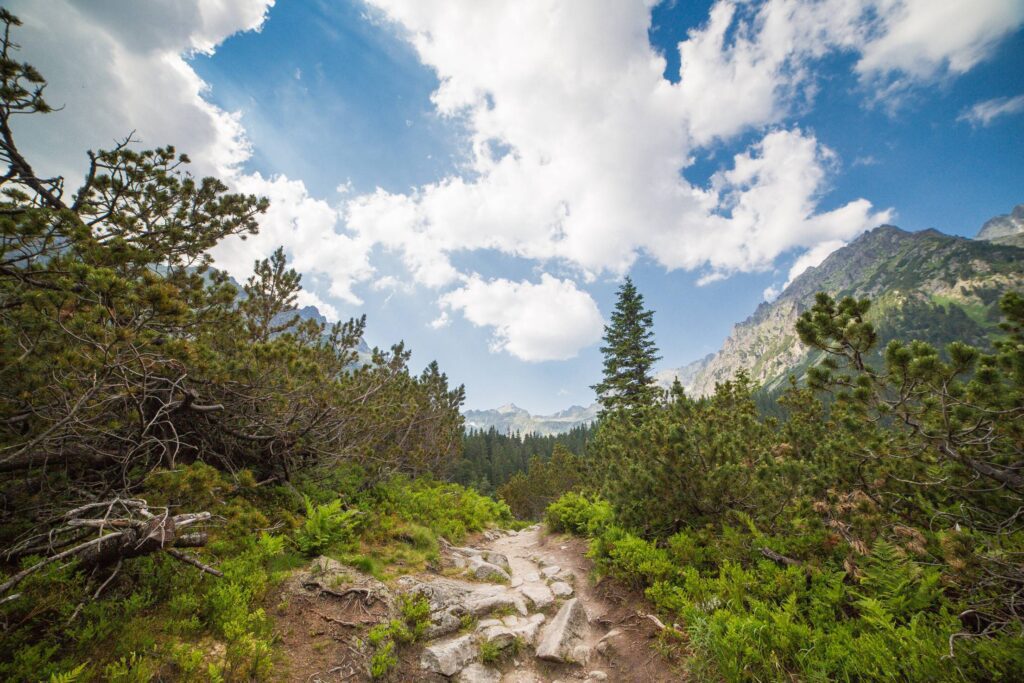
[{"x": 629, "y": 355}]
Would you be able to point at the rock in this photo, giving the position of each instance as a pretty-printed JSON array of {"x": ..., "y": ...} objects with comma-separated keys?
[
  {"x": 448, "y": 657},
  {"x": 516, "y": 582},
  {"x": 478, "y": 673},
  {"x": 498, "y": 560},
  {"x": 538, "y": 594},
  {"x": 551, "y": 571},
  {"x": 560, "y": 639},
  {"x": 532, "y": 576},
  {"x": 489, "y": 603},
  {"x": 485, "y": 571},
  {"x": 561, "y": 589},
  {"x": 524, "y": 630},
  {"x": 597, "y": 676},
  {"x": 606, "y": 645}
]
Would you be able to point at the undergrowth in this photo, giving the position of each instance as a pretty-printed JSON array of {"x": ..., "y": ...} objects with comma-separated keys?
[{"x": 161, "y": 620}]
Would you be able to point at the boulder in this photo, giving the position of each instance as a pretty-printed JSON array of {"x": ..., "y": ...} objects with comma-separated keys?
[
  {"x": 539, "y": 595},
  {"x": 561, "y": 639},
  {"x": 485, "y": 571},
  {"x": 497, "y": 559},
  {"x": 513, "y": 629},
  {"x": 485, "y": 604},
  {"x": 449, "y": 657}
]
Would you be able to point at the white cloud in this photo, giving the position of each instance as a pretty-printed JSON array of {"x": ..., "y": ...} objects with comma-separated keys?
[
  {"x": 549, "y": 320},
  {"x": 983, "y": 113},
  {"x": 119, "y": 67},
  {"x": 577, "y": 143},
  {"x": 922, "y": 39},
  {"x": 309, "y": 229}
]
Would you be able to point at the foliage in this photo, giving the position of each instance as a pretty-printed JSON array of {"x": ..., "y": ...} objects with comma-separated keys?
[
  {"x": 869, "y": 531},
  {"x": 629, "y": 355},
  {"x": 137, "y": 383},
  {"x": 325, "y": 526},
  {"x": 575, "y": 513},
  {"x": 387, "y": 637},
  {"x": 490, "y": 459},
  {"x": 529, "y": 494}
]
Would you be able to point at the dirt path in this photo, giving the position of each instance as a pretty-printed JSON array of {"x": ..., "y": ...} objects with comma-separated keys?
[
  {"x": 513, "y": 607},
  {"x": 619, "y": 638}
]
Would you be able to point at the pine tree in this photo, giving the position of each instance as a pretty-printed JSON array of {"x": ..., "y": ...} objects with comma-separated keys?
[{"x": 629, "y": 355}]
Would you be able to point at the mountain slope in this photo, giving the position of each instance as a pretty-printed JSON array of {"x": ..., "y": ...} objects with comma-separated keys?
[
  {"x": 512, "y": 418},
  {"x": 1005, "y": 229},
  {"x": 925, "y": 285}
]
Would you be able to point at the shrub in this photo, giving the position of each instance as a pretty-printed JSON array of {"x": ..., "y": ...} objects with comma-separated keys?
[{"x": 575, "y": 513}]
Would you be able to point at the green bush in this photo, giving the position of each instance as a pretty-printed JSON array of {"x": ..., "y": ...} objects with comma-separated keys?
[{"x": 575, "y": 513}]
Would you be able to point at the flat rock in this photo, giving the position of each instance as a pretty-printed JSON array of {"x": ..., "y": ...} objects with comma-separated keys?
[
  {"x": 532, "y": 576},
  {"x": 478, "y": 673},
  {"x": 448, "y": 657},
  {"x": 539, "y": 595},
  {"x": 551, "y": 571},
  {"x": 561, "y": 639},
  {"x": 516, "y": 582},
  {"x": 486, "y": 604},
  {"x": 561, "y": 589}
]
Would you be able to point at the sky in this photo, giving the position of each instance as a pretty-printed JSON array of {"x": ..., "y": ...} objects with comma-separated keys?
[{"x": 478, "y": 176}]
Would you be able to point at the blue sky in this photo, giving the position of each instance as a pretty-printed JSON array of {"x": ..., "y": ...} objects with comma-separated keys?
[{"x": 477, "y": 177}]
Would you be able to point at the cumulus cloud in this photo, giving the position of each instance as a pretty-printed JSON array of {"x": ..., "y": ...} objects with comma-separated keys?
[
  {"x": 921, "y": 39},
  {"x": 309, "y": 228},
  {"x": 577, "y": 145},
  {"x": 129, "y": 73},
  {"x": 548, "y": 320},
  {"x": 983, "y": 113}
]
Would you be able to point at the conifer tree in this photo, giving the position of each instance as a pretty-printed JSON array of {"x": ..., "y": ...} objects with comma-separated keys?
[{"x": 629, "y": 355}]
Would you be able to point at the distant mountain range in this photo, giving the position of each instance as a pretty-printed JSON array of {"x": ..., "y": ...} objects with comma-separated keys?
[
  {"x": 511, "y": 419},
  {"x": 924, "y": 285}
]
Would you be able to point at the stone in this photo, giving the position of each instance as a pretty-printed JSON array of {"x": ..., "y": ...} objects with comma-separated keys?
[
  {"x": 597, "y": 676},
  {"x": 525, "y": 630},
  {"x": 560, "y": 639},
  {"x": 490, "y": 603},
  {"x": 478, "y": 673},
  {"x": 561, "y": 589},
  {"x": 539, "y": 595},
  {"x": 551, "y": 571},
  {"x": 497, "y": 559},
  {"x": 448, "y": 657},
  {"x": 516, "y": 582},
  {"x": 532, "y": 576},
  {"x": 606, "y": 645},
  {"x": 485, "y": 571}
]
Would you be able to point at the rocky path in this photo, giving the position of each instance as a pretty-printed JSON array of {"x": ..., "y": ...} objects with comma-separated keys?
[{"x": 520, "y": 608}]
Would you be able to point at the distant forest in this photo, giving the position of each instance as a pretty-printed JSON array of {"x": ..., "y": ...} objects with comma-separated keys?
[{"x": 490, "y": 458}]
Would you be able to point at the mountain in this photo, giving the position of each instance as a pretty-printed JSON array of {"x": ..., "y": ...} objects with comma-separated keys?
[
  {"x": 512, "y": 418},
  {"x": 1005, "y": 229},
  {"x": 924, "y": 285}
]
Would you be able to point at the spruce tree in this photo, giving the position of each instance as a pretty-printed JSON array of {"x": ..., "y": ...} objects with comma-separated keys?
[{"x": 629, "y": 355}]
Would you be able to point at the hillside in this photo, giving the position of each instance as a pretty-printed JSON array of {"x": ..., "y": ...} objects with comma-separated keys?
[
  {"x": 925, "y": 285},
  {"x": 511, "y": 418}
]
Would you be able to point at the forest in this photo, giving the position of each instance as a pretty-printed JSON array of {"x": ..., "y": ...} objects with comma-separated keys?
[{"x": 173, "y": 448}]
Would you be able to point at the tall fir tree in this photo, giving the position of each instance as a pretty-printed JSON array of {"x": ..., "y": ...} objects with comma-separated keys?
[{"x": 629, "y": 355}]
